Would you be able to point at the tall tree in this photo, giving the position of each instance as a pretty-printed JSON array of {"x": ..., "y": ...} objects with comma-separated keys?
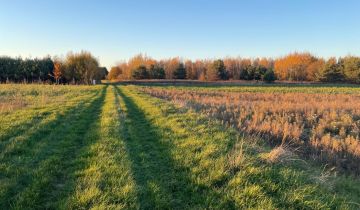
[
  {"x": 331, "y": 72},
  {"x": 156, "y": 72},
  {"x": 294, "y": 66},
  {"x": 140, "y": 73},
  {"x": 115, "y": 73},
  {"x": 217, "y": 71},
  {"x": 351, "y": 65},
  {"x": 190, "y": 70},
  {"x": 269, "y": 76},
  {"x": 57, "y": 72},
  {"x": 81, "y": 67},
  {"x": 170, "y": 66},
  {"x": 180, "y": 72}
]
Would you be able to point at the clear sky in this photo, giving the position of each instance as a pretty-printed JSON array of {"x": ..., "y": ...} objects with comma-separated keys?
[{"x": 114, "y": 30}]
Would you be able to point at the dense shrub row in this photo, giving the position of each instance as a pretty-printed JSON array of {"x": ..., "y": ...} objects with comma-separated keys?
[
  {"x": 75, "y": 68},
  {"x": 25, "y": 70},
  {"x": 292, "y": 67}
]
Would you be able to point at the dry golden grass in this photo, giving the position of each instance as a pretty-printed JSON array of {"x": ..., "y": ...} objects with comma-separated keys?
[
  {"x": 8, "y": 104},
  {"x": 323, "y": 126},
  {"x": 279, "y": 154},
  {"x": 236, "y": 157}
]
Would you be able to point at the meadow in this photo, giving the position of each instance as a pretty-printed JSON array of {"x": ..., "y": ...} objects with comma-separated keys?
[
  {"x": 320, "y": 122},
  {"x": 179, "y": 147}
]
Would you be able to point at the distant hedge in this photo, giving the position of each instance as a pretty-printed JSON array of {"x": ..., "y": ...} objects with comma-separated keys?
[
  {"x": 25, "y": 70},
  {"x": 78, "y": 68}
]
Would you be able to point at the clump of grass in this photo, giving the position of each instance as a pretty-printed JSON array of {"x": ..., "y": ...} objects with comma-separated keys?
[
  {"x": 236, "y": 157},
  {"x": 325, "y": 177},
  {"x": 12, "y": 102},
  {"x": 279, "y": 154}
]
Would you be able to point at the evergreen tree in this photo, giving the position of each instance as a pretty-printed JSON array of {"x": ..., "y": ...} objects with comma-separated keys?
[
  {"x": 217, "y": 71},
  {"x": 331, "y": 72},
  {"x": 351, "y": 67},
  {"x": 156, "y": 72},
  {"x": 180, "y": 72},
  {"x": 140, "y": 73},
  {"x": 269, "y": 76}
]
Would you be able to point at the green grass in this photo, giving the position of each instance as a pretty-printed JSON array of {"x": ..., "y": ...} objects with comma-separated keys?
[
  {"x": 270, "y": 88},
  {"x": 112, "y": 147}
]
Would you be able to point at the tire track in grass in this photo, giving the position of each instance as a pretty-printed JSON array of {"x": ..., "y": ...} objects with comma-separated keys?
[
  {"x": 162, "y": 182},
  {"x": 106, "y": 182},
  {"x": 25, "y": 122},
  {"x": 17, "y": 118},
  {"x": 42, "y": 125},
  {"x": 40, "y": 173}
]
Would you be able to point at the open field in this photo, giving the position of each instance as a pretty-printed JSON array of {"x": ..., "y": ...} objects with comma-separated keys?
[
  {"x": 179, "y": 147},
  {"x": 321, "y": 122}
]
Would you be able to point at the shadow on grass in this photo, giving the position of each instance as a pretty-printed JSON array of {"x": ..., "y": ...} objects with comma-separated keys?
[
  {"x": 28, "y": 124},
  {"x": 39, "y": 171},
  {"x": 162, "y": 183},
  {"x": 22, "y": 128}
]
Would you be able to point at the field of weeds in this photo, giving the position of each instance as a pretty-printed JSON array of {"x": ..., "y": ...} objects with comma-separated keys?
[{"x": 321, "y": 123}]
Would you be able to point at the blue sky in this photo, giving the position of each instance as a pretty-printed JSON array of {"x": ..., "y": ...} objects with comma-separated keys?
[{"x": 115, "y": 30}]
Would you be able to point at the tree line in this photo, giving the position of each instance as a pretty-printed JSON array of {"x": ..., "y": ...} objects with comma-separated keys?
[
  {"x": 292, "y": 67},
  {"x": 83, "y": 68},
  {"x": 75, "y": 68}
]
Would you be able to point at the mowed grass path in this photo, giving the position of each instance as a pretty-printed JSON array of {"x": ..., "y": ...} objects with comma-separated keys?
[
  {"x": 120, "y": 149},
  {"x": 38, "y": 162}
]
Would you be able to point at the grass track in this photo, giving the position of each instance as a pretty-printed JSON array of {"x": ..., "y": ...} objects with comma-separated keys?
[
  {"x": 162, "y": 182},
  {"x": 106, "y": 181},
  {"x": 122, "y": 149},
  {"x": 37, "y": 172}
]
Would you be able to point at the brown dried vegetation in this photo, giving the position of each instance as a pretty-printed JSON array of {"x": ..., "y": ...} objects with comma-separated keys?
[{"x": 324, "y": 127}]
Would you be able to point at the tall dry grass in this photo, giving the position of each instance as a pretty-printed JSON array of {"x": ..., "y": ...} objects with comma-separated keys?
[{"x": 325, "y": 127}]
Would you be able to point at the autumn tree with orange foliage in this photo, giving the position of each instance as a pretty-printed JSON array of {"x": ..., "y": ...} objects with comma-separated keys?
[
  {"x": 57, "y": 73},
  {"x": 190, "y": 70},
  {"x": 313, "y": 70},
  {"x": 233, "y": 66},
  {"x": 268, "y": 63},
  {"x": 296, "y": 66},
  {"x": 115, "y": 73},
  {"x": 170, "y": 65}
]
